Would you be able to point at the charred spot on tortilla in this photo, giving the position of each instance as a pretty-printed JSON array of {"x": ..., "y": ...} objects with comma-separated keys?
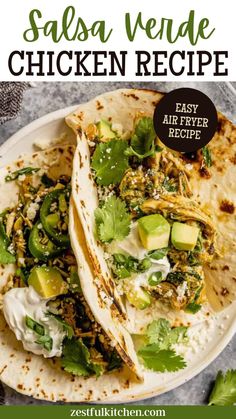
[
  {"x": 79, "y": 131},
  {"x": 220, "y": 126},
  {"x": 224, "y": 292},
  {"x": 227, "y": 206},
  {"x": 115, "y": 391},
  {"x": 82, "y": 203},
  {"x": 132, "y": 95},
  {"x": 99, "y": 106},
  {"x": 3, "y": 369},
  {"x": 233, "y": 159},
  {"x": 81, "y": 164},
  {"x": 225, "y": 268},
  {"x": 204, "y": 173},
  {"x": 80, "y": 116}
]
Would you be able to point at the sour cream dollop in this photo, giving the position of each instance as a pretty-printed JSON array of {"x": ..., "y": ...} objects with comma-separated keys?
[
  {"x": 132, "y": 246},
  {"x": 21, "y": 302}
]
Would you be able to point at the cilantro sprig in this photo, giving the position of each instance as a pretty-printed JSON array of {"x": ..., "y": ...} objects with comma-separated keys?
[
  {"x": 112, "y": 220},
  {"x": 142, "y": 142},
  {"x": 110, "y": 162},
  {"x": 224, "y": 390},
  {"x": 158, "y": 354},
  {"x": 161, "y": 333},
  {"x": 76, "y": 359}
]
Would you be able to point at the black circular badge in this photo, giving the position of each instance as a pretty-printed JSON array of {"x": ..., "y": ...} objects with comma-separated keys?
[{"x": 185, "y": 119}]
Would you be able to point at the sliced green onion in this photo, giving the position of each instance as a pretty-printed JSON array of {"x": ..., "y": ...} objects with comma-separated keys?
[
  {"x": 155, "y": 278},
  {"x": 35, "y": 326},
  {"x": 17, "y": 173}
]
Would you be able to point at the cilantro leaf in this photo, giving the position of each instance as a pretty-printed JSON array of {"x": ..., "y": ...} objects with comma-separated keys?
[
  {"x": 110, "y": 162},
  {"x": 224, "y": 391},
  {"x": 76, "y": 359},
  {"x": 142, "y": 142},
  {"x": 158, "y": 330},
  {"x": 192, "y": 260},
  {"x": 176, "y": 277},
  {"x": 161, "y": 360},
  {"x": 112, "y": 220},
  {"x": 67, "y": 328},
  {"x": 207, "y": 156},
  {"x": 160, "y": 333},
  {"x": 157, "y": 354},
  {"x": 193, "y": 308}
]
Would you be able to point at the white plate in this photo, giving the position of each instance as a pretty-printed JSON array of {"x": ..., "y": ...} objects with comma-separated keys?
[{"x": 218, "y": 333}]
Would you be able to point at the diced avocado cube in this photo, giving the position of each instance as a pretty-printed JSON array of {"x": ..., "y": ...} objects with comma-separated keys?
[
  {"x": 139, "y": 298},
  {"x": 47, "y": 281},
  {"x": 104, "y": 130},
  {"x": 184, "y": 236},
  {"x": 154, "y": 231}
]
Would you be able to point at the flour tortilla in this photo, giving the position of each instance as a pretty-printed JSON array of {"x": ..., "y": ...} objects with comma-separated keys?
[
  {"x": 215, "y": 189},
  {"x": 23, "y": 371},
  {"x": 121, "y": 107}
]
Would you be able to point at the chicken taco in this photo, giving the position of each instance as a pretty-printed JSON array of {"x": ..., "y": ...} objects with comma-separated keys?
[
  {"x": 160, "y": 223},
  {"x": 53, "y": 346}
]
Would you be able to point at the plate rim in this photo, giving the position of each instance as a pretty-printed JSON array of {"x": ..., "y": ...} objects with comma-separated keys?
[
  {"x": 33, "y": 125},
  {"x": 180, "y": 380}
]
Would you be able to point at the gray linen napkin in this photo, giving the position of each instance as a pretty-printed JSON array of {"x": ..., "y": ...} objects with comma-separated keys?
[{"x": 11, "y": 95}]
